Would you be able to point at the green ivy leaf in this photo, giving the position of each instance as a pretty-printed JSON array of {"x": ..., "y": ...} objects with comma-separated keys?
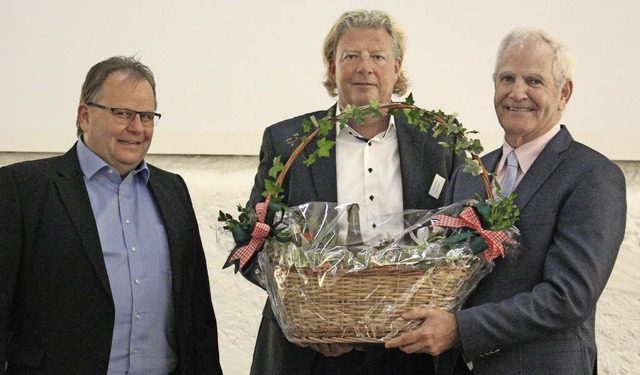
[
  {"x": 276, "y": 168},
  {"x": 324, "y": 147},
  {"x": 271, "y": 188},
  {"x": 306, "y": 125},
  {"x": 310, "y": 160},
  {"x": 409, "y": 99}
]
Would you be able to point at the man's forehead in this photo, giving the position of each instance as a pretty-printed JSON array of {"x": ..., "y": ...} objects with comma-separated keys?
[
  {"x": 120, "y": 87},
  {"x": 365, "y": 36},
  {"x": 532, "y": 56}
]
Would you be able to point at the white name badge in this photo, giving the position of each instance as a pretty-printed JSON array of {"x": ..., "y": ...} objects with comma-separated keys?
[{"x": 436, "y": 186}]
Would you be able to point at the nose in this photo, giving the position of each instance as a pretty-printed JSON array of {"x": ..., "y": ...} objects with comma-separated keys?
[
  {"x": 135, "y": 125},
  {"x": 365, "y": 65},
  {"x": 519, "y": 90}
]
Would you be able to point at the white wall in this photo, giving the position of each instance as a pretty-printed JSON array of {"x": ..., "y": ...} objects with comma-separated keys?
[
  {"x": 221, "y": 182},
  {"x": 227, "y": 69}
]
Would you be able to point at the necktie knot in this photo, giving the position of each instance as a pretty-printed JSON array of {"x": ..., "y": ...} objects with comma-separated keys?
[{"x": 511, "y": 172}]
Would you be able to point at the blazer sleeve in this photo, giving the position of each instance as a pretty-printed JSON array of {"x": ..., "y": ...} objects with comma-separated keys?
[
  {"x": 10, "y": 256},
  {"x": 579, "y": 235},
  {"x": 206, "y": 356},
  {"x": 266, "y": 156},
  {"x": 251, "y": 270}
]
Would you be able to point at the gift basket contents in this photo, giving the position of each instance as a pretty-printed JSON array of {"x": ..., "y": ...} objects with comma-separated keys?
[
  {"x": 332, "y": 281},
  {"x": 325, "y": 288}
]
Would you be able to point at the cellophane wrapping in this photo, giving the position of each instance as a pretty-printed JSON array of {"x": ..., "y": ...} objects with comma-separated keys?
[{"x": 328, "y": 284}]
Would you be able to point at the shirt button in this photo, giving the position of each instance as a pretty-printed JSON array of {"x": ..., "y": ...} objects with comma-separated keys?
[
  {"x": 133, "y": 248},
  {"x": 369, "y": 143},
  {"x": 371, "y": 197},
  {"x": 110, "y": 171},
  {"x": 134, "y": 351},
  {"x": 122, "y": 193},
  {"x": 374, "y": 225},
  {"x": 370, "y": 170},
  {"x": 127, "y": 221},
  {"x": 137, "y": 281},
  {"x": 137, "y": 315}
]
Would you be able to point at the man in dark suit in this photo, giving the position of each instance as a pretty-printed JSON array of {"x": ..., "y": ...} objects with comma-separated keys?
[
  {"x": 384, "y": 165},
  {"x": 102, "y": 269},
  {"x": 536, "y": 314}
]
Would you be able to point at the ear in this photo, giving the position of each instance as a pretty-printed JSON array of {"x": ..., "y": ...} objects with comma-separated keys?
[
  {"x": 83, "y": 117},
  {"x": 565, "y": 94},
  {"x": 398, "y": 66}
]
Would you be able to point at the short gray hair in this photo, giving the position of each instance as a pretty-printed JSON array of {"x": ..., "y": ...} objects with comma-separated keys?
[{"x": 562, "y": 59}]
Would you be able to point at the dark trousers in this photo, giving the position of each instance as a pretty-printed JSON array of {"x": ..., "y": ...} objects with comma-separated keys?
[{"x": 275, "y": 355}]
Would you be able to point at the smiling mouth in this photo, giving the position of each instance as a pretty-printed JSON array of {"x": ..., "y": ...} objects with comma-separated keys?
[
  {"x": 519, "y": 109},
  {"x": 130, "y": 142}
]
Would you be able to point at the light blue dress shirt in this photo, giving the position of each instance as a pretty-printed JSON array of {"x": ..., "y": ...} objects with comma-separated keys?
[{"x": 136, "y": 254}]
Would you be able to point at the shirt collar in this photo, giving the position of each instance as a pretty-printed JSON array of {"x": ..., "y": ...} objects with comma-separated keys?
[
  {"x": 391, "y": 129},
  {"x": 528, "y": 152},
  {"x": 90, "y": 163}
]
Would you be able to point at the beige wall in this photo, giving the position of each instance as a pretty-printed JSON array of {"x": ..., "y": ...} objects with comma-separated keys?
[
  {"x": 227, "y": 69},
  {"x": 221, "y": 182}
]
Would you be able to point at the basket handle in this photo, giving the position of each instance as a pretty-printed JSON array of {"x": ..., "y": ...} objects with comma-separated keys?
[
  {"x": 296, "y": 152},
  {"x": 294, "y": 155}
]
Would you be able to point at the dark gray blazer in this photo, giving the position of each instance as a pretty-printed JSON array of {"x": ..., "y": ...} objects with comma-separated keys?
[
  {"x": 421, "y": 158},
  {"x": 56, "y": 309},
  {"x": 536, "y": 314}
]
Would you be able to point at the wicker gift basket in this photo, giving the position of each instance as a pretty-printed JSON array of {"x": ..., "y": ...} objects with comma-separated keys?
[
  {"x": 324, "y": 289},
  {"x": 330, "y": 283}
]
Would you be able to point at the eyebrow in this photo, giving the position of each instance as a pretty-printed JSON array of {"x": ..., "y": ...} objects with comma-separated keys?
[
  {"x": 536, "y": 76},
  {"x": 377, "y": 51},
  {"x": 507, "y": 73}
]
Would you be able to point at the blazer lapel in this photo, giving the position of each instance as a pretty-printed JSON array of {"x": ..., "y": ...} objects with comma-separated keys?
[
  {"x": 490, "y": 162},
  {"x": 166, "y": 203},
  {"x": 542, "y": 167},
  {"x": 412, "y": 166},
  {"x": 74, "y": 196},
  {"x": 323, "y": 171}
]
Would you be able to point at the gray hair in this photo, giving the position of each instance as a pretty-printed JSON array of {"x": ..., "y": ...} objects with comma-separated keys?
[
  {"x": 562, "y": 59},
  {"x": 99, "y": 73},
  {"x": 363, "y": 19}
]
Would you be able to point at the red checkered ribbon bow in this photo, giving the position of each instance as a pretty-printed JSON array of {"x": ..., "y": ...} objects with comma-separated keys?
[
  {"x": 260, "y": 232},
  {"x": 468, "y": 218}
]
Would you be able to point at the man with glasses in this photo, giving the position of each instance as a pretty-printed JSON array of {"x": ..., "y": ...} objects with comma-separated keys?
[{"x": 102, "y": 269}]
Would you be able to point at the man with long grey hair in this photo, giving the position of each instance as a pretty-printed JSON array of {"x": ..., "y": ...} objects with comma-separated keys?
[{"x": 384, "y": 165}]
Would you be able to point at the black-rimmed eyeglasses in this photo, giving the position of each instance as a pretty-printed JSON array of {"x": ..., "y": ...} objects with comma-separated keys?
[{"x": 148, "y": 119}]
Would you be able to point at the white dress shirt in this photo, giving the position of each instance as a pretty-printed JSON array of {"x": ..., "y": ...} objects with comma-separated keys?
[{"x": 368, "y": 173}]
